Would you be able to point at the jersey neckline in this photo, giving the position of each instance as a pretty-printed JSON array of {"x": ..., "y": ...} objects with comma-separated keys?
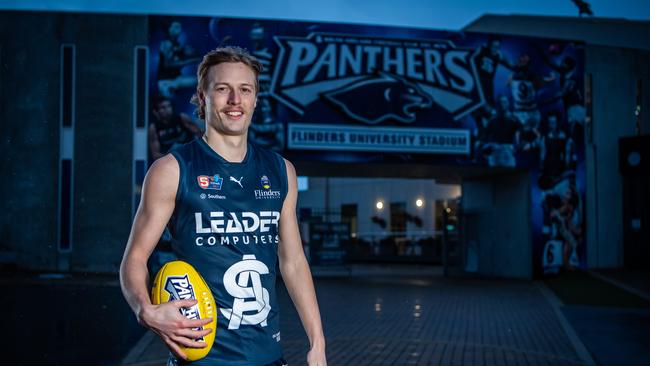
[{"x": 208, "y": 150}]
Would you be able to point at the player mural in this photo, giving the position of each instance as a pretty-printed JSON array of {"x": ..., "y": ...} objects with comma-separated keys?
[{"x": 361, "y": 94}]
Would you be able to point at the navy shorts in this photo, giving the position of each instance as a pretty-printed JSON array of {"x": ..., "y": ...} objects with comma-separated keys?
[{"x": 173, "y": 361}]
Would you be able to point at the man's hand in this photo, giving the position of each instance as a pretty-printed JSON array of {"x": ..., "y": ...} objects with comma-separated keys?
[
  {"x": 316, "y": 357},
  {"x": 173, "y": 328}
]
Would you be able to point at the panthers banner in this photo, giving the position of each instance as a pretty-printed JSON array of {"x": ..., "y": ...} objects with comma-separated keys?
[{"x": 360, "y": 94}]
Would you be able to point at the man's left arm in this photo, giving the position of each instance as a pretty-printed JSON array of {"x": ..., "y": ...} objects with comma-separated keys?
[{"x": 296, "y": 274}]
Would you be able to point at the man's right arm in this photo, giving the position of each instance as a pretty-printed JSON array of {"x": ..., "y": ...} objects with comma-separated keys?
[{"x": 156, "y": 207}]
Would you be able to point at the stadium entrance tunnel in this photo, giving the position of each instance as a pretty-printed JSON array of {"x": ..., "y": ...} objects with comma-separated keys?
[{"x": 460, "y": 220}]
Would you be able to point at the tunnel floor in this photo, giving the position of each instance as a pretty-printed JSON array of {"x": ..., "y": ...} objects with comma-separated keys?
[{"x": 420, "y": 320}]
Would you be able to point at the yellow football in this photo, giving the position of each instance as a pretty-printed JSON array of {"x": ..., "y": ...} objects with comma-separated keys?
[{"x": 178, "y": 280}]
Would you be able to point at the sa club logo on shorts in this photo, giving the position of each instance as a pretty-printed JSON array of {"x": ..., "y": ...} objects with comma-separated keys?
[{"x": 210, "y": 182}]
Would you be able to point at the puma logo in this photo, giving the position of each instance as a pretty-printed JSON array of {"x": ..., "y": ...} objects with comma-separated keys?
[{"x": 233, "y": 179}]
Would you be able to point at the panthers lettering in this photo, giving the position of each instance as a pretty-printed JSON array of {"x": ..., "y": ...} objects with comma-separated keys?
[
  {"x": 375, "y": 79},
  {"x": 306, "y": 61}
]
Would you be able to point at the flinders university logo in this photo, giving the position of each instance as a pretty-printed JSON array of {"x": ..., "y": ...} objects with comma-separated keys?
[
  {"x": 375, "y": 79},
  {"x": 266, "y": 192},
  {"x": 266, "y": 184}
]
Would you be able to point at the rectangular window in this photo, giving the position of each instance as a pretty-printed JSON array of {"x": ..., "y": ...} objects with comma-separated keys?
[
  {"x": 637, "y": 108},
  {"x": 65, "y": 207},
  {"x": 67, "y": 84},
  {"x": 589, "y": 107},
  {"x": 67, "y": 90},
  {"x": 398, "y": 218},
  {"x": 140, "y": 88},
  {"x": 140, "y": 120},
  {"x": 349, "y": 216}
]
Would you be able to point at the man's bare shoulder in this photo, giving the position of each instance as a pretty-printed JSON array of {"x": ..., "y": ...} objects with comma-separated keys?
[
  {"x": 164, "y": 166},
  {"x": 162, "y": 177},
  {"x": 290, "y": 168}
]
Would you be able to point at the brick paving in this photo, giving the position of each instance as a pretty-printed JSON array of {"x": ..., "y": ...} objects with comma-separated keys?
[{"x": 381, "y": 320}]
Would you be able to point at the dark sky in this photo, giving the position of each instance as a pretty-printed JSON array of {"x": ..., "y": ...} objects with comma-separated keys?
[{"x": 437, "y": 14}]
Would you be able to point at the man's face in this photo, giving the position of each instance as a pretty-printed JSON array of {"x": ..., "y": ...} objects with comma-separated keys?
[
  {"x": 524, "y": 60},
  {"x": 494, "y": 46},
  {"x": 230, "y": 98},
  {"x": 175, "y": 29},
  {"x": 164, "y": 110},
  {"x": 552, "y": 123},
  {"x": 504, "y": 103}
]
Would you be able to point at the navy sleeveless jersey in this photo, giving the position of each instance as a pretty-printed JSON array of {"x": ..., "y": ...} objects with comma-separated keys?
[{"x": 226, "y": 224}]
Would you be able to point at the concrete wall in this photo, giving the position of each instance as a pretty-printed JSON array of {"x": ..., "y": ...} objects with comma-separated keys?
[
  {"x": 104, "y": 136},
  {"x": 29, "y": 126},
  {"x": 614, "y": 100},
  {"x": 593, "y": 30},
  {"x": 497, "y": 225},
  {"x": 29, "y": 84}
]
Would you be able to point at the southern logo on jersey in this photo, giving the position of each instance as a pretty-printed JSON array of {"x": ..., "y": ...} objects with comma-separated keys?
[
  {"x": 251, "y": 302},
  {"x": 180, "y": 288},
  {"x": 373, "y": 79},
  {"x": 210, "y": 182},
  {"x": 266, "y": 184}
]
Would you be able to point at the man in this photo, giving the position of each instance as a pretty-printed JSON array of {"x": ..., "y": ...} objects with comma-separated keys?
[
  {"x": 169, "y": 129},
  {"x": 488, "y": 57},
  {"x": 527, "y": 140},
  {"x": 571, "y": 96},
  {"x": 524, "y": 86},
  {"x": 555, "y": 152},
  {"x": 231, "y": 208},
  {"x": 173, "y": 57},
  {"x": 265, "y": 131},
  {"x": 500, "y": 135}
]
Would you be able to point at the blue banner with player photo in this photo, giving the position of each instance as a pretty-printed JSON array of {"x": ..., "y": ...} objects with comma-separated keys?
[{"x": 359, "y": 94}]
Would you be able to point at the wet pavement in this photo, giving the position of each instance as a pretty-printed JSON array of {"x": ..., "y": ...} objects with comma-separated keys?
[
  {"x": 615, "y": 336},
  {"x": 386, "y": 319},
  {"x": 373, "y": 315}
]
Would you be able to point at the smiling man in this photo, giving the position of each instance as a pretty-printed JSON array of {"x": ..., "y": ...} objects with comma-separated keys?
[{"x": 230, "y": 207}]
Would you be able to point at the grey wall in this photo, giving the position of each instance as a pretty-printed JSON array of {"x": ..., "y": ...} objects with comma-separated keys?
[
  {"x": 614, "y": 72},
  {"x": 593, "y": 30},
  {"x": 29, "y": 126},
  {"x": 104, "y": 142},
  {"x": 29, "y": 84},
  {"x": 497, "y": 214}
]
